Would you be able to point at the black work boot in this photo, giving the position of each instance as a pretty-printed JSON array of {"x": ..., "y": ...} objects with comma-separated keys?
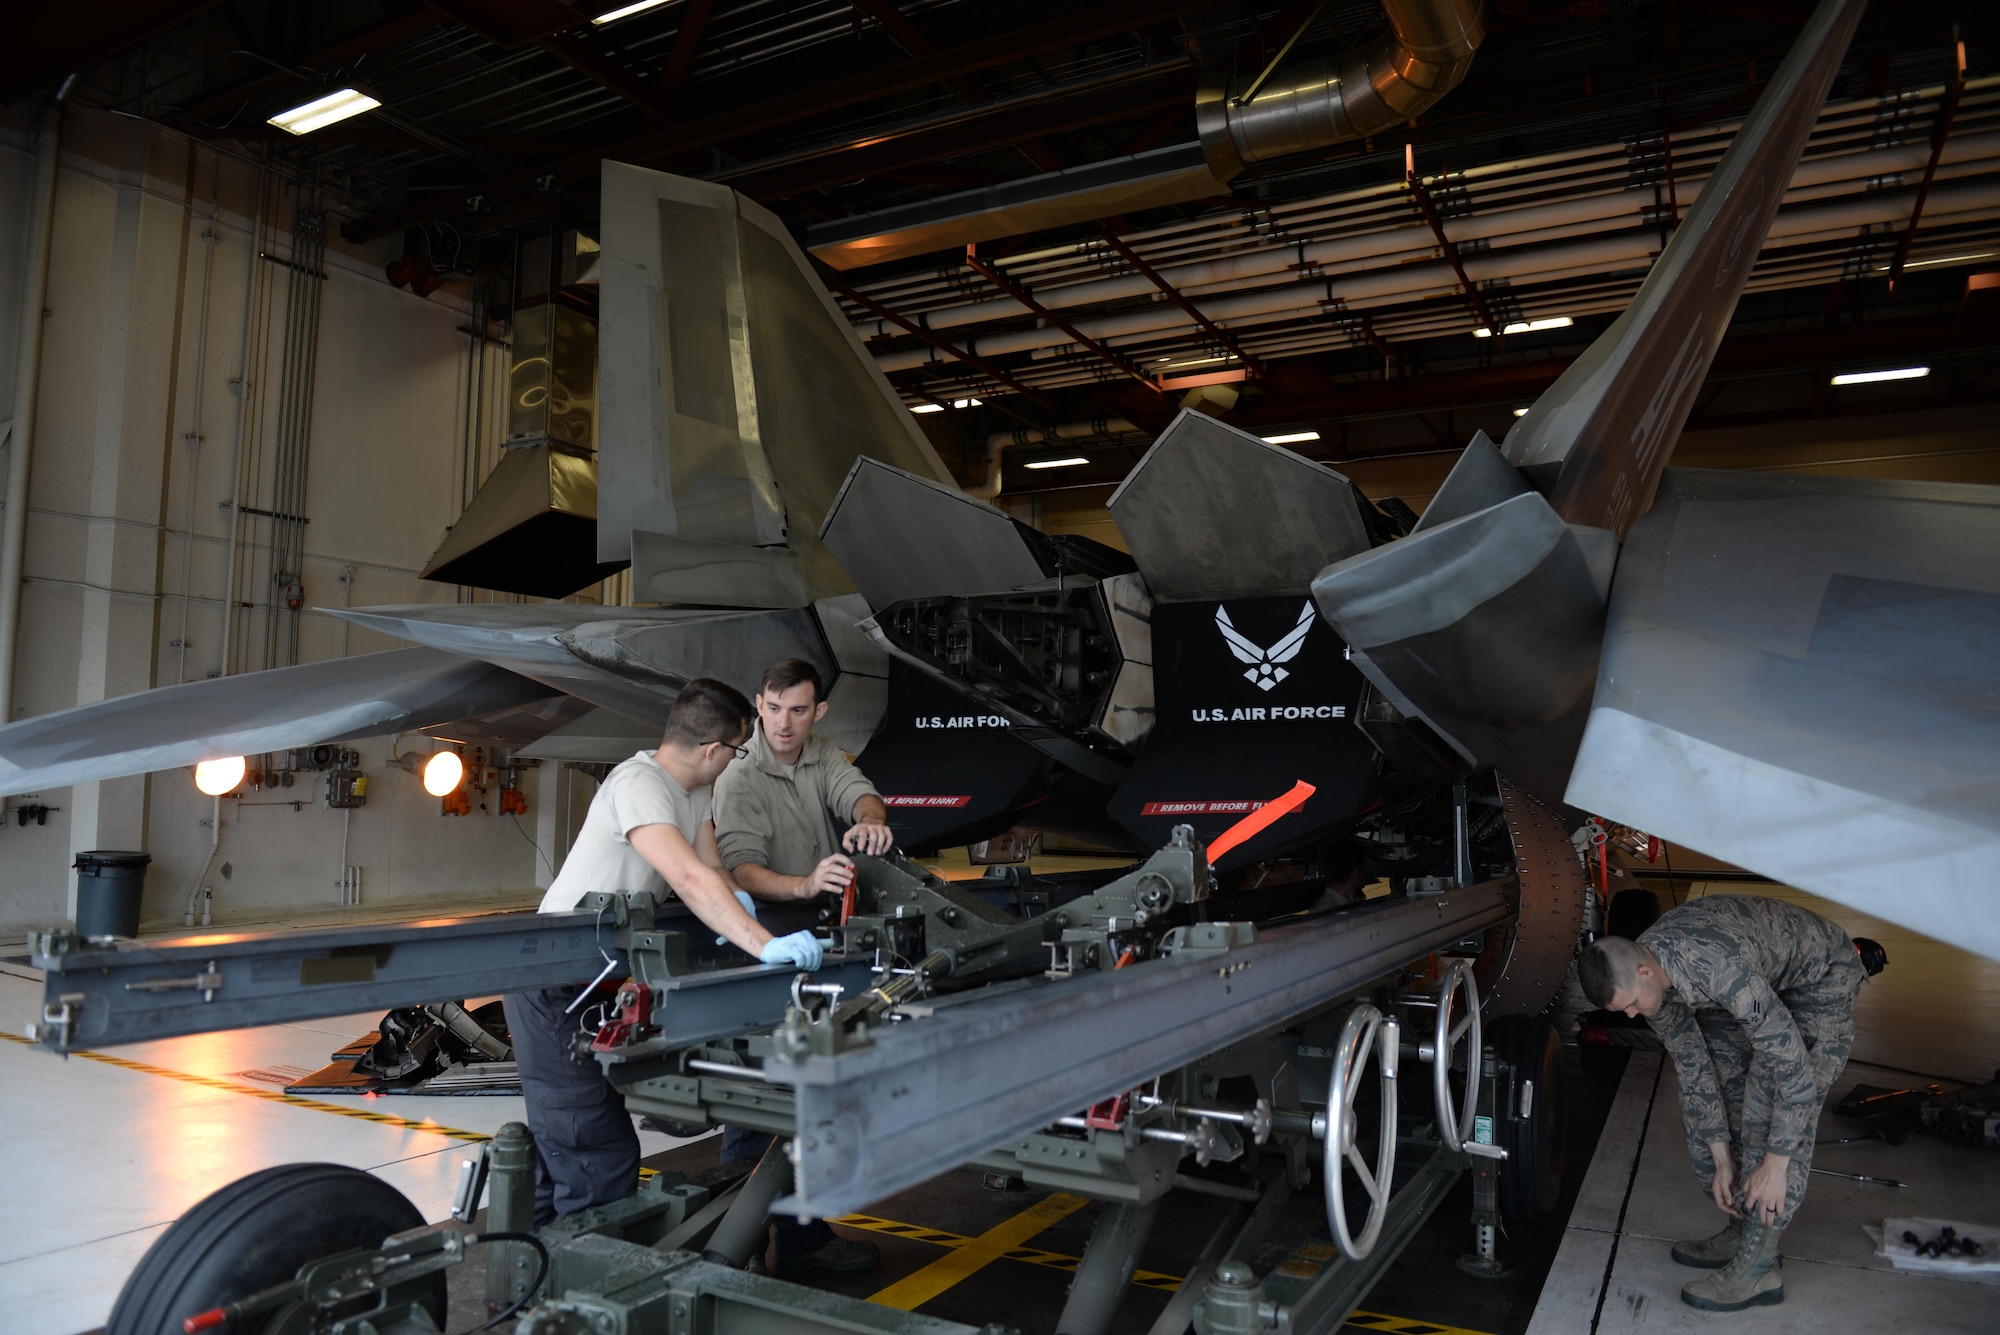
[
  {"x": 1751, "y": 1277},
  {"x": 1710, "y": 1253}
]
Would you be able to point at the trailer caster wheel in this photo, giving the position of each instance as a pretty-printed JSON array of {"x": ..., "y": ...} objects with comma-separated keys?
[
  {"x": 1531, "y": 1179},
  {"x": 256, "y": 1232}
]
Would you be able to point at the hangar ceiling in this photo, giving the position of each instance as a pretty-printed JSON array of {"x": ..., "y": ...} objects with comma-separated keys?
[{"x": 1323, "y": 292}]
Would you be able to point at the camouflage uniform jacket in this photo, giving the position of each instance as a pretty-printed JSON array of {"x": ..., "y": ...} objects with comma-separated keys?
[{"x": 1740, "y": 954}]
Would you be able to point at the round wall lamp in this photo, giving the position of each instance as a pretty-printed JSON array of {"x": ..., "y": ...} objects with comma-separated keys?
[
  {"x": 443, "y": 773},
  {"x": 216, "y": 777}
]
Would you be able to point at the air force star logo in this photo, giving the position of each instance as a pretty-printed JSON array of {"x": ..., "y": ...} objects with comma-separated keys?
[{"x": 1264, "y": 671}]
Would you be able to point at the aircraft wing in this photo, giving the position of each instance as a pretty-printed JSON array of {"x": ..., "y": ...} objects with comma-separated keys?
[
  {"x": 1801, "y": 675},
  {"x": 402, "y": 690}
]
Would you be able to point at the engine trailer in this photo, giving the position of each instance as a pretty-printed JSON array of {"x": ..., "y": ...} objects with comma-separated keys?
[{"x": 1121, "y": 1045}]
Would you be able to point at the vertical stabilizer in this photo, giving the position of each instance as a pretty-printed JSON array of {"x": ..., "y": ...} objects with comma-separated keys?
[
  {"x": 735, "y": 397},
  {"x": 1606, "y": 427}
]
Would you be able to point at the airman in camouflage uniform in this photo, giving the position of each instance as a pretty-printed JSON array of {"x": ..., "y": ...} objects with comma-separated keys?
[{"x": 1754, "y": 999}]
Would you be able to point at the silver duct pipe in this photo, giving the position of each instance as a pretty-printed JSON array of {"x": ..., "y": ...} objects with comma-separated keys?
[
  {"x": 1423, "y": 56},
  {"x": 27, "y": 374}
]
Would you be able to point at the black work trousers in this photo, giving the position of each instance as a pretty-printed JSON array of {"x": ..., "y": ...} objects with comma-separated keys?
[{"x": 586, "y": 1151}]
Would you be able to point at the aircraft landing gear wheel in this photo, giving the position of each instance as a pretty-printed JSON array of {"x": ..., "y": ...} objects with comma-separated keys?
[
  {"x": 1367, "y": 1032},
  {"x": 1454, "y": 1123},
  {"x": 254, "y": 1233},
  {"x": 1531, "y": 1179}
]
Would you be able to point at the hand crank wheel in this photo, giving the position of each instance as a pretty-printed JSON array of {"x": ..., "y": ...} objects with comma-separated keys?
[{"x": 1367, "y": 1033}]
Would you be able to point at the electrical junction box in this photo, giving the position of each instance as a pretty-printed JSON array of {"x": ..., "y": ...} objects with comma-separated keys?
[{"x": 346, "y": 788}]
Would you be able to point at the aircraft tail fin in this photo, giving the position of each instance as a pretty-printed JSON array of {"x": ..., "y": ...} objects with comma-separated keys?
[{"x": 1606, "y": 427}]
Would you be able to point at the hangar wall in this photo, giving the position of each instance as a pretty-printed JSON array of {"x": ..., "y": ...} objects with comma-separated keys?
[{"x": 155, "y": 289}]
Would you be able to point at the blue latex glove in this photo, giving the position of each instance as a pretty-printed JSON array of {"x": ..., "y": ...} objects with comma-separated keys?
[
  {"x": 801, "y": 950},
  {"x": 749, "y": 907}
]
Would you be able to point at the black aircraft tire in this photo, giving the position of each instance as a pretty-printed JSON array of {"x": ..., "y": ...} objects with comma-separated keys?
[
  {"x": 257, "y": 1232},
  {"x": 1531, "y": 1177}
]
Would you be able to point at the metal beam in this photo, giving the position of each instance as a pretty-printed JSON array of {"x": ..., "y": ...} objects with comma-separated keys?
[
  {"x": 950, "y": 350},
  {"x": 966, "y": 130},
  {"x": 1071, "y": 27},
  {"x": 1027, "y": 298},
  {"x": 45, "y": 42},
  {"x": 1173, "y": 294},
  {"x": 605, "y": 69},
  {"x": 1939, "y": 133},
  {"x": 130, "y": 992},
  {"x": 929, "y": 1095},
  {"x": 687, "y": 38},
  {"x": 1421, "y": 198}
]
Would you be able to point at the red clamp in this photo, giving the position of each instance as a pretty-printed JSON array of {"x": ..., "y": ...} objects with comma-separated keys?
[
  {"x": 1110, "y": 1114},
  {"x": 632, "y": 1018}
]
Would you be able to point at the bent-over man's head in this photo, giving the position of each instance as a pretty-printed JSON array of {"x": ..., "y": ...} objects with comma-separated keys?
[
  {"x": 1621, "y": 975},
  {"x": 707, "y": 726},
  {"x": 792, "y": 699}
]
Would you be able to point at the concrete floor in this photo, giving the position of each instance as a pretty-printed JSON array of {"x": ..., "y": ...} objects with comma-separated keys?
[{"x": 1614, "y": 1275}]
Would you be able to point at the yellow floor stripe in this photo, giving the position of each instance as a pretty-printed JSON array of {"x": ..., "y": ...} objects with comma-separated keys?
[
  {"x": 912, "y": 1291},
  {"x": 272, "y": 1095},
  {"x": 1145, "y": 1279}
]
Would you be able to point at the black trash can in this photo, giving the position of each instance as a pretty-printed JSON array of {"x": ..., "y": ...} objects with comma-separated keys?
[{"x": 109, "y": 885}]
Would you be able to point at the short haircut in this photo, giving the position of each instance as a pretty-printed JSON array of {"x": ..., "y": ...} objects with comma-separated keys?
[
  {"x": 786, "y": 673},
  {"x": 1608, "y": 965},
  {"x": 707, "y": 711}
]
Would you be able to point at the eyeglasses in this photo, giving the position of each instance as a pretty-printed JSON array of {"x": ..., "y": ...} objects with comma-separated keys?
[{"x": 742, "y": 752}]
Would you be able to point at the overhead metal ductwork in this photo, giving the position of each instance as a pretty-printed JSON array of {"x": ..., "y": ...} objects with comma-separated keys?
[
  {"x": 532, "y": 527},
  {"x": 1424, "y": 54},
  {"x": 1396, "y": 78}
]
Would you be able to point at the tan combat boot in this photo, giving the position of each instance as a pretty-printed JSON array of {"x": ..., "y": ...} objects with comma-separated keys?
[
  {"x": 1710, "y": 1253},
  {"x": 1750, "y": 1279}
]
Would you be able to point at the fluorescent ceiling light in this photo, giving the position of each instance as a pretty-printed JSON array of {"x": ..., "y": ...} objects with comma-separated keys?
[
  {"x": 1057, "y": 463},
  {"x": 1944, "y": 259},
  {"x": 1520, "y": 412},
  {"x": 939, "y": 407},
  {"x": 1870, "y": 377},
  {"x": 1292, "y": 439},
  {"x": 324, "y": 111},
  {"x": 627, "y": 11},
  {"x": 1528, "y": 327}
]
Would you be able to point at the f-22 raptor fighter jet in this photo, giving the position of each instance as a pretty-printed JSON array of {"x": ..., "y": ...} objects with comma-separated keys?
[{"x": 1796, "y": 674}]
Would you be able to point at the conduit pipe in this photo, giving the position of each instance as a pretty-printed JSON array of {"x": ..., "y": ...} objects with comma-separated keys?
[
  {"x": 1405, "y": 281},
  {"x": 27, "y": 377},
  {"x": 1518, "y": 226},
  {"x": 989, "y": 490}
]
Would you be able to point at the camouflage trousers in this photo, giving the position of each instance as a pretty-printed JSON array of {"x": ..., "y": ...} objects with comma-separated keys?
[{"x": 1825, "y": 1019}]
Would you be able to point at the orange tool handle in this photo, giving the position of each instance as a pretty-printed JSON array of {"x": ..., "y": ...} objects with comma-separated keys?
[
  {"x": 208, "y": 1320},
  {"x": 1259, "y": 820}
]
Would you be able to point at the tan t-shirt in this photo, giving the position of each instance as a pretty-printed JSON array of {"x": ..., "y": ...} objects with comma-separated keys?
[{"x": 638, "y": 792}]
